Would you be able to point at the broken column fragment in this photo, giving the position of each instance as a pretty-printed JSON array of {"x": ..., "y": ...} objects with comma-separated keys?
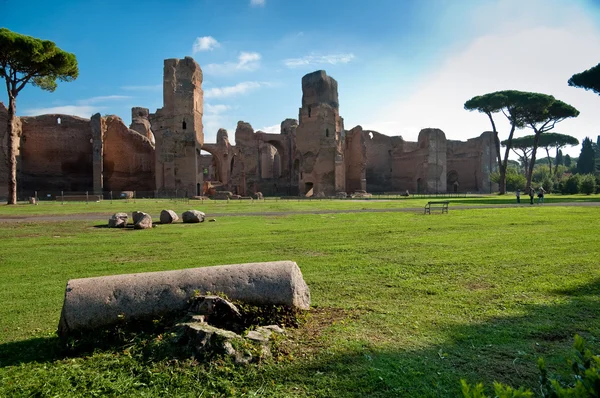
[{"x": 103, "y": 301}]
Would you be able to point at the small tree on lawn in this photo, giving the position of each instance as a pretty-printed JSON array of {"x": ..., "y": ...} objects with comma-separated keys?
[
  {"x": 522, "y": 147},
  {"x": 542, "y": 113},
  {"x": 490, "y": 104},
  {"x": 25, "y": 59},
  {"x": 568, "y": 160},
  {"x": 558, "y": 141},
  {"x": 587, "y": 159},
  {"x": 558, "y": 160}
]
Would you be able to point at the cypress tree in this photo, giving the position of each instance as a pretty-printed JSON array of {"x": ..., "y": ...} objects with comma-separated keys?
[{"x": 586, "y": 163}]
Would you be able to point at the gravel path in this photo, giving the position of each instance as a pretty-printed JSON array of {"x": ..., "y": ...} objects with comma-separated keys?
[{"x": 105, "y": 216}]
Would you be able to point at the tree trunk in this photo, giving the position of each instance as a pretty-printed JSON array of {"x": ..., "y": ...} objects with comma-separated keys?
[
  {"x": 536, "y": 140},
  {"x": 501, "y": 169},
  {"x": 504, "y": 163},
  {"x": 12, "y": 151},
  {"x": 549, "y": 162}
]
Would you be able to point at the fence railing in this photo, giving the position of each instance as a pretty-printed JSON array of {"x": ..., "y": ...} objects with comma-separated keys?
[{"x": 182, "y": 195}]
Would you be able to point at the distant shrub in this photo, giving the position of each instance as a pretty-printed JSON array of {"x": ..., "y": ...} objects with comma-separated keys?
[
  {"x": 548, "y": 184},
  {"x": 573, "y": 184},
  {"x": 597, "y": 183},
  {"x": 588, "y": 184},
  {"x": 514, "y": 180}
]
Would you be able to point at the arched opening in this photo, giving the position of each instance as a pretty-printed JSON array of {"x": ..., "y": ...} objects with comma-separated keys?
[
  {"x": 270, "y": 161},
  {"x": 184, "y": 125},
  {"x": 419, "y": 185},
  {"x": 309, "y": 111},
  {"x": 452, "y": 181},
  {"x": 210, "y": 166},
  {"x": 198, "y": 189},
  {"x": 57, "y": 120},
  {"x": 308, "y": 189},
  {"x": 231, "y": 166},
  {"x": 326, "y": 132}
]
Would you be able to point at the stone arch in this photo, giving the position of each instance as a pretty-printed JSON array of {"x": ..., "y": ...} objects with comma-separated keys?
[
  {"x": 211, "y": 165},
  {"x": 452, "y": 183}
]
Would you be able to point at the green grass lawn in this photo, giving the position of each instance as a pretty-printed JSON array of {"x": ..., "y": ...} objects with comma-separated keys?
[
  {"x": 154, "y": 206},
  {"x": 405, "y": 304}
]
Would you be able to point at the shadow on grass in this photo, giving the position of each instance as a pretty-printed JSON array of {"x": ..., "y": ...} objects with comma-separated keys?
[
  {"x": 39, "y": 349},
  {"x": 129, "y": 227},
  {"x": 503, "y": 348}
]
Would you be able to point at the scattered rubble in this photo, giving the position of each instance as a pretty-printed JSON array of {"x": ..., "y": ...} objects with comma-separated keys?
[
  {"x": 118, "y": 220},
  {"x": 193, "y": 216},
  {"x": 168, "y": 217}
]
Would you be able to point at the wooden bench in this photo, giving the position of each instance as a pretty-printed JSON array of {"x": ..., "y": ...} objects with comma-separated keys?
[{"x": 441, "y": 205}]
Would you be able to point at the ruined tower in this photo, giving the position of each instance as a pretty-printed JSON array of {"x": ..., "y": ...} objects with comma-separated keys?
[
  {"x": 320, "y": 137},
  {"x": 177, "y": 128}
]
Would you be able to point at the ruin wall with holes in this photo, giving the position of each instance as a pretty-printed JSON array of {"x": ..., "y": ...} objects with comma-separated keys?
[
  {"x": 64, "y": 153},
  {"x": 162, "y": 151}
]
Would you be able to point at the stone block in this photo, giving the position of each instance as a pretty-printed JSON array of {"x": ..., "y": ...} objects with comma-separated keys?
[
  {"x": 103, "y": 301},
  {"x": 193, "y": 216},
  {"x": 168, "y": 217}
]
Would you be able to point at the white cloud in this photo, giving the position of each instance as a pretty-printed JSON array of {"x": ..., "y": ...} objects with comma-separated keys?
[
  {"x": 215, "y": 109},
  {"x": 105, "y": 98},
  {"x": 522, "y": 56},
  {"x": 247, "y": 61},
  {"x": 156, "y": 87},
  {"x": 229, "y": 91},
  {"x": 214, "y": 118},
  {"x": 274, "y": 129},
  {"x": 83, "y": 108},
  {"x": 76, "y": 110},
  {"x": 206, "y": 43},
  {"x": 331, "y": 59},
  {"x": 257, "y": 3}
]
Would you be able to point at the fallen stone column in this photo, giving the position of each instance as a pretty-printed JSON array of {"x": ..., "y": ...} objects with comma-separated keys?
[{"x": 102, "y": 301}]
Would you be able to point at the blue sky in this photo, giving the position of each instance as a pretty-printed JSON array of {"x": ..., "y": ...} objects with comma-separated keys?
[{"x": 401, "y": 65}]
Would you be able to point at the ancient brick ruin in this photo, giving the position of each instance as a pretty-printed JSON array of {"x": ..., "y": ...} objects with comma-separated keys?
[{"x": 160, "y": 153}]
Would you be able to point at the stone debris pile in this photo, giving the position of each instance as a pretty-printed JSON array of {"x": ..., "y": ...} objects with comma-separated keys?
[{"x": 142, "y": 220}]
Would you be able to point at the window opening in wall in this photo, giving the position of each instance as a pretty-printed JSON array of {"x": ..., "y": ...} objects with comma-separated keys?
[
  {"x": 309, "y": 111},
  {"x": 370, "y": 135},
  {"x": 326, "y": 132},
  {"x": 183, "y": 125},
  {"x": 58, "y": 121}
]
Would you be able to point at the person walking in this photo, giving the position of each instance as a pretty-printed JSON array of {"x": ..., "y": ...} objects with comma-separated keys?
[
  {"x": 518, "y": 193},
  {"x": 541, "y": 193},
  {"x": 531, "y": 195}
]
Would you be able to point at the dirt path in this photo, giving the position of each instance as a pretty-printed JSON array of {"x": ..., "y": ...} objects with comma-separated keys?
[{"x": 105, "y": 216}]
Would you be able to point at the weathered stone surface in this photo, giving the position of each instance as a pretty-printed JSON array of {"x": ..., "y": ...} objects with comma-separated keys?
[
  {"x": 144, "y": 221},
  {"x": 259, "y": 336},
  {"x": 168, "y": 217},
  {"x": 217, "y": 311},
  {"x": 177, "y": 128},
  {"x": 56, "y": 153},
  {"x": 193, "y": 216},
  {"x": 128, "y": 158},
  {"x": 136, "y": 216},
  {"x": 118, "y": 220},
  {"x": 203, "y": 336},
  {"x": 274, "y": 328},
  {"x": 101, "y": 301}
]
